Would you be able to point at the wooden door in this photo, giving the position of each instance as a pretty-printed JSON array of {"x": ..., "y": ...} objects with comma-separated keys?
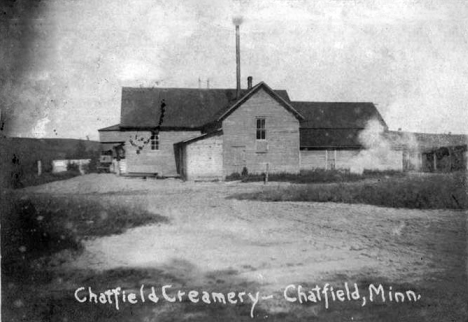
[{"x": 238, "y": 160}]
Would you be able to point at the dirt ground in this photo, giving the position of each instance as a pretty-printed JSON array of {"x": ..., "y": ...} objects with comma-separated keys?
[{"x": 216, "y": 243}]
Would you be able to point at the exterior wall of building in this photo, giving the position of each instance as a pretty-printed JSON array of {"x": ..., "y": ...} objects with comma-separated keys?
[
  {"x": 280, "y": 149},
  {"x": 204, "y": 159},
  {"x": 327, "y": 159},
  {"x": 345, "y": 158},
  {"x": 351, "y": 159},
  {"x": 313, "y": 159},
  {"x": 161, "y": 161},
  {"x": 393, "y": 160},
  {"x": 112, "y": 136}
]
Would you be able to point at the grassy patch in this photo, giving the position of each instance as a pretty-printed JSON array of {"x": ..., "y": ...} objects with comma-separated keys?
[
  {"x": 442, "y": 191},
  {"x": 46, "y": 177},
  {"x": 315, "y": 176},
  {"x": 41, "y": 225}
]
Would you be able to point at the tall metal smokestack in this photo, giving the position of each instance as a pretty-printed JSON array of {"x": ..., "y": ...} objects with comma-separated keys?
[{"x": 238, "y": 71}]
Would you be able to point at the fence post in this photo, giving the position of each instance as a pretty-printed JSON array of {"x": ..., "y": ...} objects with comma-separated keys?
[{"x": 39, "y": 167}]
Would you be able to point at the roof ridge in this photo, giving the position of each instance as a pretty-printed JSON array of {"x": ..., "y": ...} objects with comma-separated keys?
[
  {"x": 190, "y": 88},
  {"x": 360, "y": 102},
  {"x": 240, "y": 100},
  {"x": 425, "y": 133},
  {"x": 193, "y": 88}
]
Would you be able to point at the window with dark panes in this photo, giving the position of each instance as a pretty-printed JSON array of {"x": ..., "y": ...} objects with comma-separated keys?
[
  {"x": 154, "y": 142},
  {"x": 261, "y": 131}
]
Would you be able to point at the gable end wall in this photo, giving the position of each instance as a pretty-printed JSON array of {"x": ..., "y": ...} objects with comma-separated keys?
[{"x": 242, "y": 149}]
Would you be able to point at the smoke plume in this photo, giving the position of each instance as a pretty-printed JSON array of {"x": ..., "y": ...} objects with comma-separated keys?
[{"x": 382, "y": 150}]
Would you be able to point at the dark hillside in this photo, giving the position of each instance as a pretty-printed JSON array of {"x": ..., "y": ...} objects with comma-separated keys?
[{"x": 19, "y": 156}]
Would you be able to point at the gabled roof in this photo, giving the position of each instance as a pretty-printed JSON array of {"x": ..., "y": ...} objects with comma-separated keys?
[
  {"x": 322, "y": 124},
  {"x": 186, "y": 108},
  {"x": 285, "y": 103},
  {"x": 337, "y": 115}
]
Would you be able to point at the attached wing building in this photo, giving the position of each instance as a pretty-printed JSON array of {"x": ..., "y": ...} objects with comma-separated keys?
[{"x": 211, "y": 133}]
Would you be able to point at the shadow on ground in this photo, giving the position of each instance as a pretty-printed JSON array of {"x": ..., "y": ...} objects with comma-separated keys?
[
  {"x": 440, "y": 297},
  {"x": 49, "y": 295}
]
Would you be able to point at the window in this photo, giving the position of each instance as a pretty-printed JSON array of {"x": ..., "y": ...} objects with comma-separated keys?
[
  {"x": 154, "y": 141},
  {"x": 261, "y": 132}
]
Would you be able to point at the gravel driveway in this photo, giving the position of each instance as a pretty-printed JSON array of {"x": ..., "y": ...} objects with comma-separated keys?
[{"x": 270, "y": 245}]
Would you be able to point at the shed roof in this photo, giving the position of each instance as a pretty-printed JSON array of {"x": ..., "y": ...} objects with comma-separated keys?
[
  {"x": 115, "y": 127},
  {"x": 189, "y": 108},
  {"x": 337, "y": 115},
  {"x": 200, "y": 137},
  {"x": 424, "y": 141}
]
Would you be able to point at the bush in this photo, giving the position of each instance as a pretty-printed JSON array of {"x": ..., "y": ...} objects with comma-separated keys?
[
  {"x": 233, "y": 177},
  {"x": 74, "y": 167},
  {"x": 47, "y": 166},
  {"x": 91, "y": 167},
  {"x": 245, "y": 172},
  {"x": 380, "y": 173}
]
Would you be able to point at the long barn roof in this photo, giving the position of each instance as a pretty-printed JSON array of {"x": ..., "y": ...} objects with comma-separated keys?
[
  {"x": 322, "y": 124},
  {"x": 189, "y": 108},
  {"x": 337, "y": 115},
  {"x": 335, "y": 124}
]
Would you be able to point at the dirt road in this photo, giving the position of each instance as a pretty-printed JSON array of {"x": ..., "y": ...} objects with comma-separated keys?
[{"x": 215, "y": 242}]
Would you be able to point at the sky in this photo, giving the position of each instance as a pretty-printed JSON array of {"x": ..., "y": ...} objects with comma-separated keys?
[{"x": 63, "y": 63}]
